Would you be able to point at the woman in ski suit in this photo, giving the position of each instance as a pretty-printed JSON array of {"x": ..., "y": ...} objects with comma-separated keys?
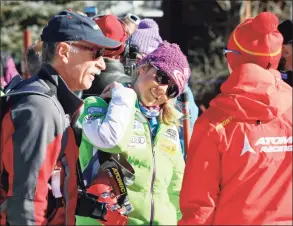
[{"x": 140, "y": 124}]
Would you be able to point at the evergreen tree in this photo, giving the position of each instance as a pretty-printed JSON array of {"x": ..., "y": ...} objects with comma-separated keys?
[{"x": 16, "y": 16}]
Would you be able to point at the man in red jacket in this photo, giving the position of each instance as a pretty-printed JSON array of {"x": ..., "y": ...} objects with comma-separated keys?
[
  {"x": 38, "y": 148},
  {"x": 239, "y": 165}
]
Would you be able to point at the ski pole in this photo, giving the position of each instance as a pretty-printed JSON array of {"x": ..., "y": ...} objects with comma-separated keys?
[{"x": 186, "y": 123}]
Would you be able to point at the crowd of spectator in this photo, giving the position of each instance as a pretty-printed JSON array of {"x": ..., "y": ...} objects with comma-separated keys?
[{"x": 95, "y": 136}]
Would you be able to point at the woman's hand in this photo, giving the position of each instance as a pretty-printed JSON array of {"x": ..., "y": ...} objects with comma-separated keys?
[{"x": 107, "y": 92}]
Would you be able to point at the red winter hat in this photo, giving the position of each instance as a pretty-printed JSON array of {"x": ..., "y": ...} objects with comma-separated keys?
[
  {"x": 113, "y": 28},
  {"x": 258, "y": 40}
]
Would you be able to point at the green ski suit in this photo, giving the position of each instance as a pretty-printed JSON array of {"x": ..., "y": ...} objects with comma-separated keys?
[{"x": 120, "y": 127}]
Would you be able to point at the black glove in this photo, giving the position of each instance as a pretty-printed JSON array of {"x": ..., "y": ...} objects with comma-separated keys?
[{"x": 87, "y": 206}]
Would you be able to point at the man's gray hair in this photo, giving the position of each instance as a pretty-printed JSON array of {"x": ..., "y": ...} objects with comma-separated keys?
[{"x": 49, "y": 50}]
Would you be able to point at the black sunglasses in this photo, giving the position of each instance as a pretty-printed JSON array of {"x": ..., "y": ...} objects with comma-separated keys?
[
  {"x": 98, "y": 52},
  {"x": 162, "y": 78},
  {"x": 225, "y": 51}
]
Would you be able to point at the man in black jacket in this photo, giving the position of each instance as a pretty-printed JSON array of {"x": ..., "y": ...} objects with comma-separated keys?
[
  {"x": 37, "y": 142},
  {"x": 285, "y": 66}
]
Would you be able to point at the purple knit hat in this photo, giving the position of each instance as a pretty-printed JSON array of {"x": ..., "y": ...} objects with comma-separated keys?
[
  {"x": 147, "y": 36},
  {"x": 170, "y": 59}
]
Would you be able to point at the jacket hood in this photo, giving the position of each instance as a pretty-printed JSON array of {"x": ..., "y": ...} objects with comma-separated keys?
[
  {"x": 113, "y": 66},
  {"x": 254, "y": 93}
]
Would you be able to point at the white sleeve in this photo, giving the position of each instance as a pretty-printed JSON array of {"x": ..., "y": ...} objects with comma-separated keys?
[{"x": 108, "y": 132}]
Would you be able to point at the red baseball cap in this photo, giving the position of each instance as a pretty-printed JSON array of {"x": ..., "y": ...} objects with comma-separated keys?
[
  {"x": 258, "y": 41},
  {"x": 114, "y": 29}
]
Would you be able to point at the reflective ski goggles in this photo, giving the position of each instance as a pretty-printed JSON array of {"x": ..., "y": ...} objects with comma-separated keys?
[{"x": 162, "y": 78}]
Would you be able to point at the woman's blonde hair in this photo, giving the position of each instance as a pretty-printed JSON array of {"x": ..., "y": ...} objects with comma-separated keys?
[{"x": 168, "y": 113}]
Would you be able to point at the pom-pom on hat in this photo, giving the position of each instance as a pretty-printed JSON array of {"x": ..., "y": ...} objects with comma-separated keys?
[
  {"x": 170, "y": 59},
  {"x": 258, "y": 41},
  {"x": 147, "y": 36}
]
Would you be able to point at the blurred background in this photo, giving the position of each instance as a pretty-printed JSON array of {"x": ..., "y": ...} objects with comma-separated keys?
[{"x": 200, "y": 27}]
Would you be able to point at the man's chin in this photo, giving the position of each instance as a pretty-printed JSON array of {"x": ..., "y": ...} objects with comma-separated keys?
[{"x": 87, "y": 85}]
